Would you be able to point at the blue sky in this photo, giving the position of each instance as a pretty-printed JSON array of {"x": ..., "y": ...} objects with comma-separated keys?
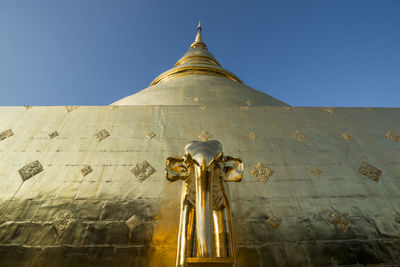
[{"x": 306, "y": 53}]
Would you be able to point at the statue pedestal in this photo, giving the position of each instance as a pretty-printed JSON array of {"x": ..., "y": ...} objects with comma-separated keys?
[{"x": 210, "y": 262}]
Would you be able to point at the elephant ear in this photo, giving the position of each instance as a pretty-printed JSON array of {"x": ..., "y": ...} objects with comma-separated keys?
[
  {"x": 233, "y": 169},
  {"x": 175, "y": 169}
]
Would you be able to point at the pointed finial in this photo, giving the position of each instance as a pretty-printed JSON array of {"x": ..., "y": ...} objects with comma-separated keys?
[{"x": 198, "y": 42}]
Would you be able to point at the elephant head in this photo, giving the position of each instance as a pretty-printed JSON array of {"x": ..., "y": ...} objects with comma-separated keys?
[{"x": 206, "y": 155}]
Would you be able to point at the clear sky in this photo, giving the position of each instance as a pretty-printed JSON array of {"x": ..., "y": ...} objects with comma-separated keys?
[{"x": 306, "y": 53}]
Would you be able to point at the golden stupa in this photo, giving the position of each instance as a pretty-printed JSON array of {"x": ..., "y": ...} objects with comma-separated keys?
[{"x": 91, "y": 185}]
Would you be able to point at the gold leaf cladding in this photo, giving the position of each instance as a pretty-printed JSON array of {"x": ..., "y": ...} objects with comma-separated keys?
[
  {"x": 204, "y": 136},
  {"x": 252, "y": 136},
  {"x": 133, "y": 222},
  {"x": 101, "y": 135},
  {"x": 196, "y": 99},
  {"x": 393, "y": 136},
  {"x": 298, "y": 135},
  {"x": 203, "y": 107},
  {"x": 248, "y": 102},
  {"x": 5, "y": 134},
  {"x": 346, "y": 136},
  {"x": 273, "y": 221},
  {"x": 62, "y": 222},
  {"x": 339, "y": 221},
  {"x": 143, "y": 170},
  {"x": 68, "y": 109},
  {"x": 53, "y": 134},
  {"x": 86, "y": 170},
  {"x": 329, "y": 110},
  {"x": 3, "y": 219},
  {"x": 397, "y": 217},
  {"x": 316, "y": 172},
  {"x": 150, "y": 135},
  {"x": 370, "y": 171},
  {"x": 30, "y": 170},
  {"x": 262, "y": 172}
]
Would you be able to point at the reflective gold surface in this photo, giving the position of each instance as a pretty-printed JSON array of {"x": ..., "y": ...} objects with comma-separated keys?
[
  {"x": 209, "y": 90},
  {"x": 59, "y": 217},
  {"x": 197, "y": 61},
  {"x": 205, "y": 227},
  {"x": 183, "y": 71},
  {"x": 198, "y": 42},
  {"x": 122, "y": 212},
  {"x": 198, "y": 78},
  {"x": 210, "y": 262},
  {"x": 196, "y": 58}
]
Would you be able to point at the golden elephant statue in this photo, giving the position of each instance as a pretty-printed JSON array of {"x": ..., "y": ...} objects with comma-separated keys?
[{"x": 205, "y": 228}]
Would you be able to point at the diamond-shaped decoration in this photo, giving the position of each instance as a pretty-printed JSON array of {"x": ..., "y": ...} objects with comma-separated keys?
[
  {"x": 317, "y": 172},
  {"x": 286, "y": 108},
  {"x": 53, "y": 134},
  {"x": 150, "y": 135},
  {"x": 143, "y": 170},
  {"x": 339, "y": 221},
  {"x": 30, "y": 170},
  {"x": 196, "y": 99},
  {"x": 329, "y": 110},
  {"x": 28, "y": 107},
  {"x": 5, "y": 134},
  {"x": 346, "y": 136},
  {"x": 62, "y": 222},
  {"x": 262, "y": 172},
  {"x": 133, "y": 222},
  {"x": 113, "y": 107},
  {"x": 203, "y": 107},
  {"x": 244, "y": 107},
  {"x": 370, "y": 171},
  {"x": 204, "y": 136},
  {"x": 68, "y": 109},
  {"x": 393, "y": 136},
  {"x": 86, "y": 170},
  {"x": 252, "y": 136},
  {"x": 248, "y": 102},
  {"x": 273, "y": 221},
  {"x": 101, "y": 135},
  {"x": 299, "y": 136}
]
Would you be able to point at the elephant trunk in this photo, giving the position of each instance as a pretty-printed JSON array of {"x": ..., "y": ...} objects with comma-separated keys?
[{"x": 204, "y": 213}]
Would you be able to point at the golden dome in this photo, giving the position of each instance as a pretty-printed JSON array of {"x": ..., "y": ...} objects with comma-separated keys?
[{"x": 198, "y": 79}]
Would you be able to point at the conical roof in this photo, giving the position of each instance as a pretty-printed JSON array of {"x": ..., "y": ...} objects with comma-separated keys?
[{"x": 198, "y": 79}]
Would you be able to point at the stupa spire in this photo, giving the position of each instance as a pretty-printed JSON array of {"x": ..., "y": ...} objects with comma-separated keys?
[
  {"x": 196, "y": 61},
  {"x": 198, "y": 42}
]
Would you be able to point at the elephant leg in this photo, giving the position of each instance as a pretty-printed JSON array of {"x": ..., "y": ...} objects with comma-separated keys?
[
  {"x": 185, "y": 236},
  {"x": 228, "y": 227},
  {"x": 221, "y": 233},
  {"x": 190, "y": 233}
]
